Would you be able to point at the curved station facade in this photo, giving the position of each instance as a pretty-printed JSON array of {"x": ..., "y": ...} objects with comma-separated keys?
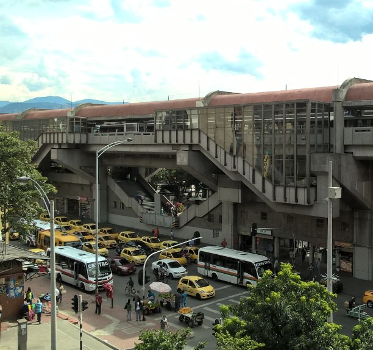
[{"x": 262, "y": 157}]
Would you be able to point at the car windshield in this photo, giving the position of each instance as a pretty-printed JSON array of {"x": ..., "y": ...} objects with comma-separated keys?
[
  {"x": 106, "y": 238},
  {"x": 74, "y": 244},
  {"x": 123, "y": 261},
  {"x": 177, "y": 255},
  {"x": 84, "y": 233},
  {"x": 174, "y": 264},
  {"x": 154, "y": 240},
  {"x": 100, "y": 245},
  {"x": 77, "y": 223},
  {"x": 66, "y": 228},
  {"x": 136, "y": 252},
  {"x": 91, "y": 227},
  {"x": 131, "y": 235},
  {"x": 63, "y": 219},
  {"x": 109, "y": 230},
  {"x": 202, "y": 283}
]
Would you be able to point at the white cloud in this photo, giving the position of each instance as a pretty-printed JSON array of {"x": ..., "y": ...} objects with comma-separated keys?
[{"x": 146, "y": 50}]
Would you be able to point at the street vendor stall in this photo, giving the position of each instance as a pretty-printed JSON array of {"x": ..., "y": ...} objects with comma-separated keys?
[
  {"x": 190, "y": 317},
  {"x": 167, "y": 300}
]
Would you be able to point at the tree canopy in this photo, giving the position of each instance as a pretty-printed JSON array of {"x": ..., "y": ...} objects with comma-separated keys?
[
  {"x": 163, "y": 340},
  {"x": 19, "y": 200},
  {"x": 284, "y": 312}
]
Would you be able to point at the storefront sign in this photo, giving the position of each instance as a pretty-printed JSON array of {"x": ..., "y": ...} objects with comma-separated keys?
[
  {"x": 343, "y": 244},
  {"x": 264, "y": 231},
  {"x": 345, "y": 265},
  {"x": 82, "y": 199}
]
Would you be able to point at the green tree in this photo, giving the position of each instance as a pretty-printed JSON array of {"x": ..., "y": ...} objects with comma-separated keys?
[
  {"x": 17, "y": 200},
  {"x": 163, "y": 340},
  {"x": 362, "y": 335},
  {"x": 284, "y": 312}
]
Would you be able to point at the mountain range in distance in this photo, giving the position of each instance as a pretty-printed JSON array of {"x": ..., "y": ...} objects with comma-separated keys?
[{"x": 47, "y": 102}]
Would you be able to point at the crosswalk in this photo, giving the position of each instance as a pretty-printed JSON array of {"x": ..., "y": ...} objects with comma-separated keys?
[{"x": 210, "y": 310}]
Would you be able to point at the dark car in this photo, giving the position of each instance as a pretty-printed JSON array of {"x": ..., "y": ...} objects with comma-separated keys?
[
  {"x": 135, "y": 244},
  {"x": 121, "y": 266}
]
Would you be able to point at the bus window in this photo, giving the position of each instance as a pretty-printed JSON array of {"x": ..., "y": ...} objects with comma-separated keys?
[
  {"x": 231, "y": 263},
  {"x": 83, "y": 270},
  {"x": 47, "y": 241},
  {"x": 218, "y": 260},
  {"x": 248, "y": 267}
]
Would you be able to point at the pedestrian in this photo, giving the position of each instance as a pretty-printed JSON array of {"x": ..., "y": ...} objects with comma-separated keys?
[
  {"x": 184, "y": 298},
  {"x": 98, "y": 303},
  {"x": 29, "y": 297},
  {"x": 142, "y": 199},
  {"x": 318, "y": 262},
  {"x": 178, "y": 298},
  {"x": 151, "y": 295},
  {"x": 137, "y": 297},
  {"x": 171, "y": 235},
  {"x": 38, "y": 310},
  {"x": 304, "y": 253},
  {"x": 128, "y": 307},
  {"x": 138, "y": 310},
  {"x": 156, "y": 232},
  {"x": 164, "y": 323},
  {"x": 310, "y": 272},
  {"x": 275, "y": 266},
  {"x": 62, "y": 291},
  {"x": 224, "y": 243},
  {"x": 57, "y": 295}
]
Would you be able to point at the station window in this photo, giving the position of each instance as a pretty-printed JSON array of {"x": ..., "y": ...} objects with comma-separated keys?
[
  {"x": 345, "y": 226},
  {"x": 210, "y": 217},
  {"x": 114, "y": 204},
  {"x": 220, "y": 219},
  {"x": 121, "y": 205}
]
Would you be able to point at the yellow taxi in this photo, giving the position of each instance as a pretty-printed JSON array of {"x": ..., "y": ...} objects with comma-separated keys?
[
  {"x": 90, "y": 227},
  {"x": 193, "y": 253},
  {"x": 107, "y": 241},
  {"x": 168, "y": 244},
  {"x": 108, "y": 231},
  {"x": 44, "y": 217},
  {"x": 84, "y": 236},
  {"x": 152, "y": 242},
  {"x": 65, "y": 228},
  {"x": 196, "y": 286},
  {"x": 368, "y": 298},
  {"x": 42, "y": 253},
  {"x": 76, "y": 224},
  {"x": 174, "y": 254},
  {"x": 126, "y": 236},
  {"x": 133, "y": 255},
  {"x": 90, "y": 247},
  {"x": 61, "y": 220},
  {"x": 13, "y": 235}
]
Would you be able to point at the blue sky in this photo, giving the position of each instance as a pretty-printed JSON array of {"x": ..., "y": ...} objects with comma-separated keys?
[{"x": 148, "y": 50}]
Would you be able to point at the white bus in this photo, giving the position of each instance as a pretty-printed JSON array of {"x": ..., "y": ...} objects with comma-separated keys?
[
  {"x": 78, "y": 267},
  {"x": 30, "y": 237},
  {"x": 231, "y": 265}
]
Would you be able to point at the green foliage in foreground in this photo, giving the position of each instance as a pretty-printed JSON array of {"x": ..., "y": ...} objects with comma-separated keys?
[
  {"x": 164, "y": 340},
  {"x": 362, "y": 335},
  {"x": 285, "y": 313}
]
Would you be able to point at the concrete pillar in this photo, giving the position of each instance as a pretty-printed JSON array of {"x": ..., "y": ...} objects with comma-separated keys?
[
  {"x": 228, "y": 223},
  {"x": 337, "y": 259},
  {"x": 276, "y": 249},
  {"x": 253, "y": 245},
  {"x": 157, "y": 203}
]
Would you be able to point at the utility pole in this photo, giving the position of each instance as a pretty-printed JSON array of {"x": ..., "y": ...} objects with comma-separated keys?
[{"x": 80, "y": 299}]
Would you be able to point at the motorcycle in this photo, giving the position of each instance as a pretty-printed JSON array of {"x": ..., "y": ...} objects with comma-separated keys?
[{"x": 337, "y": 285}]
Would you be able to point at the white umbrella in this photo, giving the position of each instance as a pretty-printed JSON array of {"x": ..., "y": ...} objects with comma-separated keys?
[{"x": 160, "y": 287}]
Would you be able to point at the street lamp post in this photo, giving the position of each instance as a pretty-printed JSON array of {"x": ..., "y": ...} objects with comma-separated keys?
[
  {"x": 49, "y": 205},
  {"x": 99, "y": 153},
  {"x": 157, "y": 252}
]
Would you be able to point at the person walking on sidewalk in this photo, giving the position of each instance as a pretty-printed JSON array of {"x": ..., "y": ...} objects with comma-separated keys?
[
  {"x": 62, "y": 290},
  {"x": 138, "y": 310},
  {"x": 178, "y": 298},
  {"x": 156, "y": 232},
  {"x": 98, "y": 303},
  {"x": 164, "y": 323},
  {"x": 29, "y": 297},
  {"x": 318, "y": 262},
  {"x": 128, "y": 307},
  {"x": 38, "y": 310}
]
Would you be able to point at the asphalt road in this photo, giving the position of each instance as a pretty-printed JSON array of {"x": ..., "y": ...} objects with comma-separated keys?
[{"x": 225, "y": 294}]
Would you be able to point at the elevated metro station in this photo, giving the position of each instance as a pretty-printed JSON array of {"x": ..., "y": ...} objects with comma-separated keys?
[{"x": 263, "y": 157}]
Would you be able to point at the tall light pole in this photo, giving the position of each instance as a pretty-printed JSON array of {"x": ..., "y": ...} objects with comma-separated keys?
[
  {"x": 49, "y": 205},
  {"x": 333, "y": 193},
  {"x": 99, "y": 153}
]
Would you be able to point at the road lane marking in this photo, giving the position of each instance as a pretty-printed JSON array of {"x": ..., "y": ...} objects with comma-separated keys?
[
  {"x": 224, "y": 287},
  {"x": 212, "y": 310},
  {"x": 234, "y": 301}
]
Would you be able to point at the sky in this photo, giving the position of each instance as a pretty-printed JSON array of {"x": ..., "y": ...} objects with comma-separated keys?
[{"x": 152, "y": 50}]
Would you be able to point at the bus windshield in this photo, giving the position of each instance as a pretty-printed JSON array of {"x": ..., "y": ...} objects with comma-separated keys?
[
  {"x": 104, "y": 269},
  {"x": 262, "y": 267}
]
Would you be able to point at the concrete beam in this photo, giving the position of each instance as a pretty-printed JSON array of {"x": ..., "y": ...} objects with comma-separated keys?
[
  {"x": 196, "y": 164},
  {"x": 139, "y": 161},
  {"x": 74, "y": 159}
]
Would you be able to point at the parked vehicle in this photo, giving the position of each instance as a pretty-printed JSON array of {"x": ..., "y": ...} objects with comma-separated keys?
[
  {"x": 121, "y": 266},
  {"x": 145, "y": 249},
  {"x": 171, "y": 268},
  {"x": 337, "y": 285}
]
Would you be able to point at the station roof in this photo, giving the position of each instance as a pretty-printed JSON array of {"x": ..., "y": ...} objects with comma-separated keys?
[{"x": 360, "y": 92}]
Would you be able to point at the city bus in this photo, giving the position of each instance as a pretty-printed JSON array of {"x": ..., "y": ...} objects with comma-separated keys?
[
  {"x": 78, "y": 267},
  {"x": 232, "y": 265},
  {"x": 60, "y": 238}
]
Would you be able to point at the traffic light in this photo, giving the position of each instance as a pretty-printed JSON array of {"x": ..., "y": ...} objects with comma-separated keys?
[
  {"x": 75, "y": 305},
  {"x": 139, "y": 277},
  {"x": 84, "y": 305},
  {"x": 254, "y": 228}
]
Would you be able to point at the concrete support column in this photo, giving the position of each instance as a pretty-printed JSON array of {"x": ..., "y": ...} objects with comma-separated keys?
[
  {"x": 253, "y": 245},
  {"x": 337, "y": 259},
  {"x": 157, "y": 203},
  {"x": 228, "y": 223},
  {"x": 103, "y": 193},
  {"x": 310, "y": 259},
  {"x": 276, "y": 249}
]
